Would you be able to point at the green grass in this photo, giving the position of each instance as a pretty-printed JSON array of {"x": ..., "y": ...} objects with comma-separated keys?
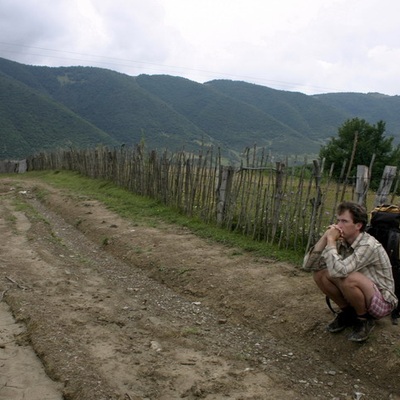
[
  {"x": 146, "y": 211},
  {"x": 190, "y": 331},
  {"x": 22, "y": 206}
]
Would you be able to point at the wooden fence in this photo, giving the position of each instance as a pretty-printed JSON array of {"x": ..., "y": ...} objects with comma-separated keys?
[
  {"x": 269, "y": 201},
  {"x": 10, "y": 166}
]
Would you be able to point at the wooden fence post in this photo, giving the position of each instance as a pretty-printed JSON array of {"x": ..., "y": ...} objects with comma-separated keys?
[
  {"x": 362, "y": 183},
  {"x": 280, "y": 169},
  {"x": 223, "y": 191},
  {"x": 350, "y": 164},
  {"x": 388, "y": 176},
  {"x": 316, "y": 203}
]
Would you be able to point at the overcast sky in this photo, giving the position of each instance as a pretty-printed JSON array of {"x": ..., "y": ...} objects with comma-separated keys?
[{"x": 310, "y": 46}]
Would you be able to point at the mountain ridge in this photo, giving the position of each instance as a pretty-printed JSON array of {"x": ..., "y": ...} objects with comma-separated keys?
[{"x": 55, "y": 107}]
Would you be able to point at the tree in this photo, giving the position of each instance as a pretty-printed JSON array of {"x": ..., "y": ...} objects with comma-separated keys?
[{"x": 370, "y": 140}]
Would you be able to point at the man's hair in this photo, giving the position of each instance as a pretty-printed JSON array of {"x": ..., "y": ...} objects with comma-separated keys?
[{"x": 358, "y": 212}]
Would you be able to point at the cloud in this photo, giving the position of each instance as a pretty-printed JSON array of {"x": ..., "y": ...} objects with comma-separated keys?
[{"x": 310, "y": 46}]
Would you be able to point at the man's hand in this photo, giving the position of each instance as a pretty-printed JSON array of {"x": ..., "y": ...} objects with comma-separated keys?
[
  {"x": 333, "y": 234},
  {"x": 330, "y": 236}
]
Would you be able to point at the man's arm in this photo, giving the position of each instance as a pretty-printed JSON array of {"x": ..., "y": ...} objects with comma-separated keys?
[{"x": 312, "y": 260}]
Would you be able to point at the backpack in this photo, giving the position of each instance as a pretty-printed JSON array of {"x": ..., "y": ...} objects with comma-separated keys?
[{"x": 385, "y": 227}]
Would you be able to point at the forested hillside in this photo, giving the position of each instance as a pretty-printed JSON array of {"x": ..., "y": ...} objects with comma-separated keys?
[
  {"x": 45, "y": 108},
  {"x": 31, "y": 121}
]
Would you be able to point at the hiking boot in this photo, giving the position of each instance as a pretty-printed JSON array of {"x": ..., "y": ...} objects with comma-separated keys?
[
  {"x": 342, "y": 320},
  {"x": 362, "y": 329}
]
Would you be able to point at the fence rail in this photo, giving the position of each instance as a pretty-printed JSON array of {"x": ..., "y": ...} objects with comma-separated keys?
[{"x": 271, "y": 202}]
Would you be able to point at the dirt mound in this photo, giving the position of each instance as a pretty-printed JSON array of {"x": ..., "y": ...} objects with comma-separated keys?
[{"x": 117, "y": 310}]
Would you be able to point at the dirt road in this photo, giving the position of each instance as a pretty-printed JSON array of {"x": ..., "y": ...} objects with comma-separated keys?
[{"x": 117, "y": 310}]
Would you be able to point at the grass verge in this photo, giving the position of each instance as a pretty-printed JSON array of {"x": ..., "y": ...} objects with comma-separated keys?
[{"x": 151, "y": 212}]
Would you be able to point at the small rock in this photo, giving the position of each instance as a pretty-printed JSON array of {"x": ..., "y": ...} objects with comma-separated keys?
[
  {"x": 154, "y": 345},
  {"x": 331, "y": 372}
]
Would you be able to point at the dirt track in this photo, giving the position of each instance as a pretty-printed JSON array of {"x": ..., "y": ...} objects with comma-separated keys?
[{"x": 116, "y": 310}]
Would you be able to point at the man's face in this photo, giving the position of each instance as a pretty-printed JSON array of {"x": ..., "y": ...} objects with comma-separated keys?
[{"x": 350, "y": 230}]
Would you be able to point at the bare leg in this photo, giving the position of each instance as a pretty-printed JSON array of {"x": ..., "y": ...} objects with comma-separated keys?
[
  {"x": 331, "y": 287},
  {"x": 358, "y": 290},
  {"x": 355, "y": 290}
]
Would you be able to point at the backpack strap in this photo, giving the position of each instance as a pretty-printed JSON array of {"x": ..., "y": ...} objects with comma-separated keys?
[{"x": 329, "y": 304}]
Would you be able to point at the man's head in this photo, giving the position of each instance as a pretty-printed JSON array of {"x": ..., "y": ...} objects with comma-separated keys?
[
  {"x": 358, "y": 212},
  {"x": 352, "y": 219}
]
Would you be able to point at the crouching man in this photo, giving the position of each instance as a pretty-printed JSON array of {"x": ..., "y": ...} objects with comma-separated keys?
[{"x": 352, "y": 268}]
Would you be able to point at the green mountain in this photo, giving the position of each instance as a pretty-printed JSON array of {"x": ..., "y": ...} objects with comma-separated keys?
[
  {"x": 31, "y": 122},
  {"x": 372, "y": 107},
  {"x": 234, "y": 123},
  {"x": 44, "y": 108}
]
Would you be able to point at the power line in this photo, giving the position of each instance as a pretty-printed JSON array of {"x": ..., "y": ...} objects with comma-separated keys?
[{"x": 129, "y": 63}]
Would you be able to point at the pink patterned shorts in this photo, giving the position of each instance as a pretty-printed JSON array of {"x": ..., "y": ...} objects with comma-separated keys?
[{"x": 379, "y": 307}]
